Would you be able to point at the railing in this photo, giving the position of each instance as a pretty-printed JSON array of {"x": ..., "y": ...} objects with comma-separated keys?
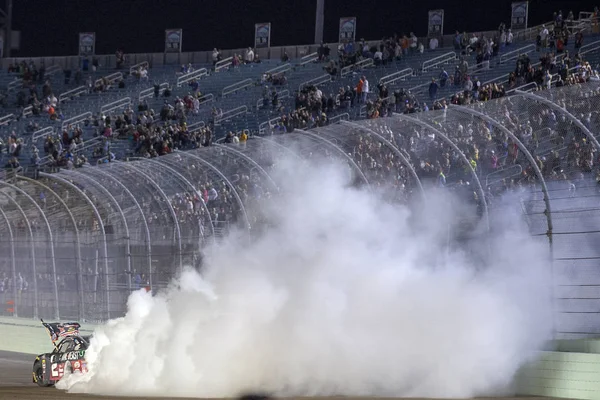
[
  {"x": 339, "y": 117},
  {"x": 587, "y": 48},
  {"x": 27, "y": 111},
  {"x": 72, "y": 93},
  {"x": 396, "y": 76},
  {"x": 89, "y": 144},
  {"x": 284, "y": 94},
  {"x": 115, "y": 105},
  {"x": 52, "y": 70},
  {"x": 207, "y": 98},
  {"x": 419, "y": 88},
  {"x": 524, "y": 88},
  {"x": 236, "y": 87},
  {"x": 439, "y": 60},
  {"x": 227, "y": 115},
  {"x": 224, "y": 63},
  {"x": 503, "y": 173},
  {"x": 362, "y": 113},
  {"x": 262, "y": 127},
  {"x": 77, "y": 119},
  {"x": 195, "y": 127},
  {"x": 307, "y": 59},
  {"x": 14, "y": 85},
  {"x": 531, "y": 33},
  {"x": 135, "y": 67},
  {"x": 7, "y": 119},
  {"x": 316, "y": 81},
  {"x": 367, "y": 62},
  {"x": 144, "y": 94},
  {"x": 280, "y": 69},
  {"x": 117, "y": 76},
  {"x": 197, "y": 74},
  {"x": 513, "y": 55},
  {"x": 42, "y": 133}
]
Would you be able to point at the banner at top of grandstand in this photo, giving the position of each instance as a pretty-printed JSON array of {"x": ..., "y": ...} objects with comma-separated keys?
[
  {"x": 347, "y": 29},
  {"x": 173, "y": 40},
  {"x": 435, "y": 26},
  {"x": 520, "y": 11},
  {"x": 87, "y": 43},
  {"x": 262, "y": 35}
]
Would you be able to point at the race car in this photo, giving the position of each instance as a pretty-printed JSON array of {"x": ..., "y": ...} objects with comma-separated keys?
[{"x": 68, "y": 354}]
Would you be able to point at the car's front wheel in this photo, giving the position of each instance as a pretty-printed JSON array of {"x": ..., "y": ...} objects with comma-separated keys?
[{"x": 38, "y": 373}]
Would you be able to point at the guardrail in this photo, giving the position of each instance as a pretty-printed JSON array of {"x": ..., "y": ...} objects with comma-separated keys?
[
  {"x": 27, "y": 111},
  {"x": 513, "y": 55},
  {"x": 207, "y": 98},
  {"x": 90, "y": 143},
  {"x": 135, "y": 67},
  {"x": 279, "y": 70},
  {"x": 195, "y": 127},
  {"x": 284, "y": 94},
  {"x": 75, "y": 120},
  {"x": 316, "y": 81},
  {"x": 531, "y": 33},
  {"x": 501, "y": 174},
  {"x": 587, "y": 48},
  {"x": 262, "y": 127},
  {"x": 14, "y": 85},
  {"x": 340, "y": 117},
  {"x": 307, "y": 59},
  {"x": 42, "y": 133},
  {"x": 419, "y": 88},
  {"x": 362, "y": 112},
  {"x": 439, "y": 60},
  {"x": 72, "y": 93},
  {"x": 115, "y": 105},
  {"x": 112, "y": 78},
  {"x": 525, "y": 88},
  {"x": 144, "y": 94},
  {"x": 396, "y": 76},
  {"x": 227, "y": 115},
  {"x": 236, "y": 87},
  {"x": 7, "y": 119},
  {"x": 52, "y": 70},
  {"x": 367, "y": 62},
  {"x": 197, "y": 74},
  {"x": 224, "y": 63}
]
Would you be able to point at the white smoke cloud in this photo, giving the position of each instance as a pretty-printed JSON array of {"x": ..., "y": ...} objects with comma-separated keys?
[{"x": 344, "y": 295}]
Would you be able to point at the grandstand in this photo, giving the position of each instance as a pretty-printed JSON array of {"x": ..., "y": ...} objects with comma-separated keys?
[{"x": 85, "y": 236}]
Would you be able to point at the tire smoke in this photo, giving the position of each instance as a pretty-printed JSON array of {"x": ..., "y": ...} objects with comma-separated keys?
[{"x": 344, "y": 294}]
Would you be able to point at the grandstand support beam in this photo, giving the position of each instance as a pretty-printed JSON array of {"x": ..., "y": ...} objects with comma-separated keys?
[
  {"x": 235, "y": 151},
  {"x": 530, "y": 158},
  {"x": 120, "y": 210},
  {"x": 100, "y": 224},
  {"x": 191, "y": 190},
  {"x": 342, "y": 152},
  {"x": 77, "y": 240},
  {"x": 167, "y": 201},
  {"x": 92, "y": 171},
  {"x": 482, "y": 198},
  {"x": 394, "y": 150},
  {"x": 225, "y": 179},
  {"x": 319, "y": 21},
  {"x": 32, "y": 250},
  {"x": 50, "y": 236},
  {"x": 13, "y": 263},
  {"x": 558, "y": 108}
]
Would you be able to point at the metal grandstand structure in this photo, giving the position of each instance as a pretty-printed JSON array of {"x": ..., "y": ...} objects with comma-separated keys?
[{"x": 84, "y": 239}]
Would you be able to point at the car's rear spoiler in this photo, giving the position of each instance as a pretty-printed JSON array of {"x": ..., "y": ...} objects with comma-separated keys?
[{"x": 57, "y": 330}]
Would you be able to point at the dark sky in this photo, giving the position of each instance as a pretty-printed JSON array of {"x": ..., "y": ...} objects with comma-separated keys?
[{"x": 50, "y": 28}]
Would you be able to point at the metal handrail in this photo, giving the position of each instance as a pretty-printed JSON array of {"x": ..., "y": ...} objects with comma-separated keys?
[
  {"x": 231, "y": 113},
  {"x": 77, "y": 119},
  {"x": 307, "y": 59},
  {"x": 42, "y": 133},
  {"x": 236, "y": 87},
  {"x": 134, "y": 67},
  {"x": 195, "y": 127},
  {"x": 14, "y": 84},
  {"x": 340, "y": 117},
  {"x": 524, "y": 33},
  {"x": 110, "y": 78},
  {"x": 396, "y": 76},
  {"x": 7, "y": 119},
  {"x": 419, "y": 88},
  {"x": 526, "y": 87},
  {"x": 487, "y": 178},
  {"x": 53, "y": 69},
  {"x": 280, "y": 69},
  {"x": 224, "y": 63},
  {"x": 144, "y": 94},
  {"x": 207, "y": 98},
  {"x": 434, "y": 62},
  {"x": 121, "y": 103},
  {"x": 270, "y": 123},
  {"x": 72, "y": 93},
  {"x": 316, "y": 81},
  {"x": 27, "y": 111},
  {"x": 197, "y": 74},
  {"x": 589, "y": 47},
  {"x": 367, "y": 62},
  {"x": 512, "y": 55}
]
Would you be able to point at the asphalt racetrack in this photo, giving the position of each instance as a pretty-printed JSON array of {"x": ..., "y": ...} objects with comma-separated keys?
[{"x": 15, "y": 382}]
